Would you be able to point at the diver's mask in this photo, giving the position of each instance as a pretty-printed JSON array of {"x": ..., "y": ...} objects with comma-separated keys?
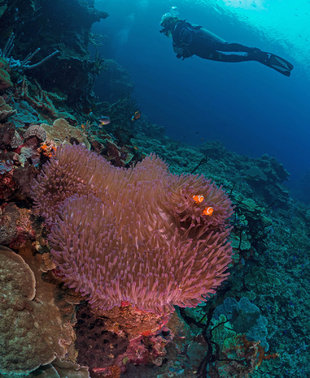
[{"x": 168, "y": 22}]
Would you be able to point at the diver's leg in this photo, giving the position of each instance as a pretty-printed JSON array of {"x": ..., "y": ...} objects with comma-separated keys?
[
  {"x": 215, "y": 49},
  {"x": 235, "y": 52},
  {"x": 235, "y": 47},
  {"x": 221, "y": 56},
  {"x": 227, "y": 53}
]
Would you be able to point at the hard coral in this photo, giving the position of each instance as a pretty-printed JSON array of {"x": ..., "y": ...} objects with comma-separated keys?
[
  {"x": 7, "y": 183},
  {"x": 34, "y": 329},
  {"x": 5, "y": 79},
  {"x": 6, "y": 110},
  {"x": 21, "y": 339},
  {"x": 97, "y": 346},
  {"x": 61, "y": 132},
  {"x": 9, "y": 215},
  {"x": 132, "y": 321},
  {"x": 7, "y": 134},
  {"x": 133, "y": 235},
  {"x": 37, "y": 131}
]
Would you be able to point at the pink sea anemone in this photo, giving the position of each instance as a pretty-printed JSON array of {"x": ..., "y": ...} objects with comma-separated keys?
[{"x": 134, "y": 235}]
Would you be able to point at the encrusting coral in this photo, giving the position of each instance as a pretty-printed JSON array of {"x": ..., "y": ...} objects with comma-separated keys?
[
  {"x": 5, "y": 110},
  {"x": 62, "y": 132},
  {"x": 134, "y": 235},
  {"x": 33, "y": 329},
  {"x": 5, "y": 79},
  {"x": 37, "y": 131},
  {"x": 25, "y": 349}
]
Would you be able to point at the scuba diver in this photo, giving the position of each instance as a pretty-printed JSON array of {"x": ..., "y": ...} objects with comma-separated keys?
[{"x": 189, "y": 40}]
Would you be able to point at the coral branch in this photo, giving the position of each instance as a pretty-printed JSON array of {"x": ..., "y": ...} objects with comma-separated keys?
[
  {"x": 31, "y": 66},
  {"x": 30, "y": 56},
  {"x": 24, "y": 64},
  {"x": 8, "y": 46}
]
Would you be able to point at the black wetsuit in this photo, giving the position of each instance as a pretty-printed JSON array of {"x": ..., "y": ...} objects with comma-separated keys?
[{"x": 189, "y": 40}]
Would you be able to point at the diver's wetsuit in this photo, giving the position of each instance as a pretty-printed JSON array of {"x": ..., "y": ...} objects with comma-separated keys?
[{"x": 191, "y": 40}]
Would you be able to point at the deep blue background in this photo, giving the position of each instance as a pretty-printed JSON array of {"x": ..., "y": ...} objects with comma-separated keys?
[{"x": 249, "y": 107}]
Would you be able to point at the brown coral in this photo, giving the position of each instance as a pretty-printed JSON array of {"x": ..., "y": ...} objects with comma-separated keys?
[
  {"x": 28, "y": 351},
  {"x": 61, "y": 132},
  {"x": 37, "y": 131},
  {"x": 5, "y": 79},
  {"x": 6, "y": 110},
  {"x": 29, "y": 317}
]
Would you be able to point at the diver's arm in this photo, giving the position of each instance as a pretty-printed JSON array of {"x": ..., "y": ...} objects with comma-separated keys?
[{"x": 181, "y": 52}]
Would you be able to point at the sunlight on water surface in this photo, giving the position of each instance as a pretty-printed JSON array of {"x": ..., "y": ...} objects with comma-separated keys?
[{"x": 247, "y": 4}]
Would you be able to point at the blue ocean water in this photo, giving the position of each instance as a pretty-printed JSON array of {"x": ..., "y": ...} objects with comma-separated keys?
[{"x": 247, "y": 106}]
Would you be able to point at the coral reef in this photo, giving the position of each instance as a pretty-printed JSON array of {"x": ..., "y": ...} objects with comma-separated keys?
[
  {"x": 5, "y": 78},
  {"x": 6, "y": 111},
  {"x": 40, "y": 100},
  {"x": 257, "y": 272},
  {"x": 25, "y": 64},
  {"x": 104, "y": 345},
  {"x": 61, "y": 132},
  {"x": 156, "y": 230},
  {"x": 98, "y": 346},
  {"x": 37, "y": 131},
  {"x": 245, "y": 318},
  {"x": 270, "y": 241},
  {"x": 132, "y": 321},
  {"x": 29, "y": 349},
  {"x": 42, "y": 320},
  {"x": 173, "y": 252},
  {"x": 15, "y": 225},
  {"x": 71, "y": 71}
]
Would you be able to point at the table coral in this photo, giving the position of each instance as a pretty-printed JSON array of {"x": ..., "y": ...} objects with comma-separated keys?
[{"x": 133, "y": 235}]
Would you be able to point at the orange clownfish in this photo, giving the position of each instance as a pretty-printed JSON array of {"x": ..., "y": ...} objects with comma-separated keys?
[
  {"x": 208, "y": 211},
  {"x": 136, "y": 116},
  {"x": 198, "y": 198},
  {"x": 44, "y": 147}
]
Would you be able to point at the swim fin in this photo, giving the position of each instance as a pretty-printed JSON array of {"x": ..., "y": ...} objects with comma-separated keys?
[{"x": 277, "y": 63}]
